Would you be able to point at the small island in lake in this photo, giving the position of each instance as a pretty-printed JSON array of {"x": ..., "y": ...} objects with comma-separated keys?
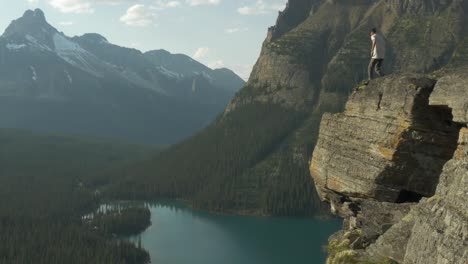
[{"x": 121, "y": 221}]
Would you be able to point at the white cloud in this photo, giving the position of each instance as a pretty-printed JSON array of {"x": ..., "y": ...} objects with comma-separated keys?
[
  {"x": 201, "y": 53},
  {"x": 172, "y": 4},
  {"x": 33, "y": 2},
  {"x": 216, "y": 64},
  {"x": 66, "y": 23},
  {"x": 114, "y": 2},
  {"x": 138, "y": 15},
  {"x": 202, "y": 2},
  {"x": 261, "y": 7},
  {"x": 81, "y": 6},
  {"x": 88, "y": 6},
  {"x": 72, "y": 6},
  {"x": 235, "y": 30},
  {"x": 164, "y": 4}
]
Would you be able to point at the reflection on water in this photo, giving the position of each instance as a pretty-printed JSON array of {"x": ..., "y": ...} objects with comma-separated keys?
[{"x": 179, "y": 235}]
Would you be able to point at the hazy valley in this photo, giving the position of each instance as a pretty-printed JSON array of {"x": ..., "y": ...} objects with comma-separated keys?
[{"x": 214, "y": 164}]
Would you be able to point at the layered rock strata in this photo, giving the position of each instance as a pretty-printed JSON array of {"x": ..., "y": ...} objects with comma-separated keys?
[{"x": 394, "y": 165}]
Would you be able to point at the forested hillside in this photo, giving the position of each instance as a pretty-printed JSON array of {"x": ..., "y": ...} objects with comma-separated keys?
[
  {"x": 221, "y": 175},
  {"x": 44, "y": 189}
]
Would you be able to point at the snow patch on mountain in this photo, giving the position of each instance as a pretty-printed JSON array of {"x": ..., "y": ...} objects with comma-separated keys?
[
  {"x": 135, "y": 78},
  {"x": 70, "y": 80},
  {"x": 169, "y": 73},
  {"x": 204, "y": 74},
  {"x": 36, "y": 44},
  {"x": 207, "y": 76},
  {"x": 63, "y": 44},
  {"x": 72, "y": 53},
  {"x": 15, "y": 47},
  {"x": 34, "y": 73}
]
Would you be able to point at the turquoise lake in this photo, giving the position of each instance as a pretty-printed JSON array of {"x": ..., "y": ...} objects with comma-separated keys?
[{"x": 179, "y": 235}]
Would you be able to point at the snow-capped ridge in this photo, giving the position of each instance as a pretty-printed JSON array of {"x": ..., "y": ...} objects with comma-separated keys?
[{"x": 93, "y": 60}]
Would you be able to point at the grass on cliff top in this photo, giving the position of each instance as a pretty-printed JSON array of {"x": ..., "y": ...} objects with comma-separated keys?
[{"x": 339, "y": 252}]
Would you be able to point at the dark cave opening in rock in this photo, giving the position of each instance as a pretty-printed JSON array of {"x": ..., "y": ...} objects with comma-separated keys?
[
  {"x": 406, "y": 196},
  {"x": 423, "y": 150}
]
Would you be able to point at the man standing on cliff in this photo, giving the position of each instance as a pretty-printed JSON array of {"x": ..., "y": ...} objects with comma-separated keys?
[{"x": 377, "y": 54}]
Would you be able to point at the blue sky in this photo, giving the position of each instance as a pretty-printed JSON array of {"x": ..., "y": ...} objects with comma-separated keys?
[{"x": 219, "y": 33}]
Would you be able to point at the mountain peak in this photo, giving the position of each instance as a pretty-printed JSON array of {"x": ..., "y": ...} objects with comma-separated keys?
[
  {"x": 158, "y": 52},
  {"x": 34, "y": 15},
  {"x": 31, "y": 18},
  {"x": 32, "y": 21}
]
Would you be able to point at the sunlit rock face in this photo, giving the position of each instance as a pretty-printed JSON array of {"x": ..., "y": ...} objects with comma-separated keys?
[
  {"x": 389, "y": 144},
  {"x": 394, "y": 164}
]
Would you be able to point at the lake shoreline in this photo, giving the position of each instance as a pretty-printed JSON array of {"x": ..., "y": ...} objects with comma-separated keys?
[
  {"x": 248, "y": 213},
  {"x": 180, "y": 234}
]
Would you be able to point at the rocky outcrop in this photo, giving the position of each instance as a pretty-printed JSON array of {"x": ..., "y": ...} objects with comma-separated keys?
[
  {"x": 436, "y": 230},
  {"x": 451, "y": 92},
  {"x": 394, "y": 165},
  {"x": 388, "y": 144},
  {"x": 440, "y": 232}
]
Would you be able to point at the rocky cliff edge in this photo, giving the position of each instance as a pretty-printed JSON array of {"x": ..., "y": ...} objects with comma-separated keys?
[{"x": 394, "y": 165}]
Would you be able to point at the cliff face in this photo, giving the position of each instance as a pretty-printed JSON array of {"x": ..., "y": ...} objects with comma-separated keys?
[
  {"x": 440, "y": 231},
  {"x": 296, "y": 12},
  {"x": 388, "y": 144},
  {"x": 394, "y": 165}
]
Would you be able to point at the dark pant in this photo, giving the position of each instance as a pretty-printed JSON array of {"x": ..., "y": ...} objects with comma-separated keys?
[{"x": 375, "y": 64}]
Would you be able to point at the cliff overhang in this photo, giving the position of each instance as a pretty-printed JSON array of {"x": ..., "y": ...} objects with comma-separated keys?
[{"x": 394, "y": 165}]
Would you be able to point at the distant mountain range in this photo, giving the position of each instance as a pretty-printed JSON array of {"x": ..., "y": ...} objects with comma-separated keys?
[{"x": 86, "y": 85}]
